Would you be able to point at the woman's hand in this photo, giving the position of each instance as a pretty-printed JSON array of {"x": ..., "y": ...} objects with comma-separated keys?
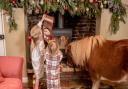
[{"x": 43, "y": 17}]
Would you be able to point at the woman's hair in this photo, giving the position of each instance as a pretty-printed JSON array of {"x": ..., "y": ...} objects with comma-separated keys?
[{"x": 35, "y": 32}]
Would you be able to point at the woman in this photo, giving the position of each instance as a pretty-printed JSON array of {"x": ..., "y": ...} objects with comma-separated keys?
[{"x": 37, "y": 48}]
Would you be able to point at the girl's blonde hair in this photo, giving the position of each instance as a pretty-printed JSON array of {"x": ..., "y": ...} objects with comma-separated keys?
[{"x": 51, "y": 51}]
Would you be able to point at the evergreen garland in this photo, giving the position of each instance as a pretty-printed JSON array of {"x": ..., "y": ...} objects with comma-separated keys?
[
  {"x": 118, "y": 14},
  {"x": 91, "y": 8},
  {"x": 7, "y": 7}
]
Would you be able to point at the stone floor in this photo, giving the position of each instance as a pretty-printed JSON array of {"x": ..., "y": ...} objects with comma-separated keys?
[
  {"x": 71, "y": 84},
  {"x": 69, "y": 80}
]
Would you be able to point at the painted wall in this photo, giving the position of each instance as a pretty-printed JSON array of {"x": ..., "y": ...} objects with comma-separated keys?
[
  {"x": 105, "y": 20},
  {"x": 15, "y": 40}
]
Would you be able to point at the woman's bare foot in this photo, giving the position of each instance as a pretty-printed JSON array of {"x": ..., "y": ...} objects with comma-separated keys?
[{"x": 35, "y": 82}]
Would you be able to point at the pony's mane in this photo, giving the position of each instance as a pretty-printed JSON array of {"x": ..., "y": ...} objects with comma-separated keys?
[{"x": 81, "y": 49}]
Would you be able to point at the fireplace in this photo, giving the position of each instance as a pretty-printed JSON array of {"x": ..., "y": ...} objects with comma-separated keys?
[
  {"x": 74, "y": 27},
  {"x": 84, "y": 27}
]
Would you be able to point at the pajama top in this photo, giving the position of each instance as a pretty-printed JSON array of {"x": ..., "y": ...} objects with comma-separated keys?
[{"x": 53, "y": 70}]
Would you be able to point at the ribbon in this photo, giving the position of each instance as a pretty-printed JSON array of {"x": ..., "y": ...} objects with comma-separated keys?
[{"x": 30, "y": 39}]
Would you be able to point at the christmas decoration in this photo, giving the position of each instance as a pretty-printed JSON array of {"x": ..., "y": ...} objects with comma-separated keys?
[
  {"x": 30, "y": 39},
  {"x": 118, "y": 14},
  {"x": 101, "y": 6},
  {"x": 33, "y": 1},
  {"x": 89, "y": 7},
  {"x": 92, "y": 1},
  {"x": 14, "y": 2},
  {"x": 82, "y": 0},
  {"x": 58, "y": 0},
  {"x": 75, "y": 7},
  {"x": 105, "y": 2},
  {"x": 29, "y": 11},
  {"x": 7, "y": 7},
  {"x": 42, "y": 2}
]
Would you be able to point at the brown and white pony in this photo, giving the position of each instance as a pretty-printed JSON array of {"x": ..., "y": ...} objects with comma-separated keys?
[{"x": 103, "y": 59}]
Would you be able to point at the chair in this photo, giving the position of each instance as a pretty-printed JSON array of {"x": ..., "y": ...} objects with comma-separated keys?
[{"x": 11, "y": 70}]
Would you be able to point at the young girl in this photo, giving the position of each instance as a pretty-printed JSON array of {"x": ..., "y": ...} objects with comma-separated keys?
[{"x": 53, "y": 58}]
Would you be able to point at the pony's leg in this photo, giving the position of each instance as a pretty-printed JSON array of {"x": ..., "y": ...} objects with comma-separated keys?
[{"x": 96, "y": 84}]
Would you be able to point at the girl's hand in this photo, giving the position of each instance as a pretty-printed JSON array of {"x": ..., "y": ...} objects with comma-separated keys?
[{"x": 61, "y": 68}]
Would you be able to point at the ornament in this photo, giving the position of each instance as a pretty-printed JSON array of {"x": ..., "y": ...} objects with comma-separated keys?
[
  {"x": 30, "y": 39},
  {"x": 87, "y": 9},
  {"x": 76, "y": 8},
  {"x": 33, "y": 2},
  {"x": 91, "y": 1},
  {"x": 95, "y": 11},
  {"x": 29, "y": 11},
  {"x": 42, "y": 2},
  {"x": 58, "y": 0},
  {"x": 94, "y": 1},
  {"x": 82, "y": 0},
  {"x": 105, "y": 2},
  {"x": 101, "y": 6},
  {"x": 118, "y": 17},
  {"x": 13, "y": 2}
]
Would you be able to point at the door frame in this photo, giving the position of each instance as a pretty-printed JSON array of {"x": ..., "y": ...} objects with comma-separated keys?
[{"x": 2, "y": 32}]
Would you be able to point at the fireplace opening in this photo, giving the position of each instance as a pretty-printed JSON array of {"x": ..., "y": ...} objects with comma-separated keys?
[{"x": 72, "y": 27}]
